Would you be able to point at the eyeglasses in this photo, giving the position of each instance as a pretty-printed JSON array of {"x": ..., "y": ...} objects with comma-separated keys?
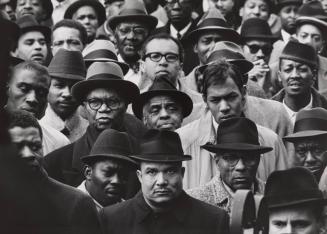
[
  {"x": 156, "y": 57},
  {"x": 96, "y": 103},
  {"x": 233, "y": 159},
  {"x": 182, "y": 2},
  {"x": 255, "y": 48},
  {"x": 125, "y": 30}
]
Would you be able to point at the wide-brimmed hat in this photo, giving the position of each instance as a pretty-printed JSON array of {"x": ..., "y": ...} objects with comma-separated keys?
[
  {"x": 105, "y": 75},
  {"x": 312, "y": 13},
  {"x": 309, "y": 123},
  {"x": 256, "y": 28},
  {"x": 240, "y": 134},
  {"x": 112, "y": 144},
  {"x": 295, "y": 186},
  {"x": 102, "y": 51},
  {"x": 98, "y": 7},
  {"x": 300, "y": 52},
  {"x": 162, "y": 86},
  {"x": 133, "y": 10},
  {"x": 28, "y": 23},
  {"x": 281, "y": 3},
  {"x": 212, "y": 21},
  {"x": 67, "y": 64},
  {"x": 232, "y": 53},
  {"x": 161, "y": 146}
]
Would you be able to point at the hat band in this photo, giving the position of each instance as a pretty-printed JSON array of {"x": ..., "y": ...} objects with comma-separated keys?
[
  {"x": 106, "y": 75},
  {"x": 158, "y": 148},
  {"x": 238, "y": 137},
  {"x": 281, "y": 198},
  {"x": 310, "y": 124},
  {"x": 132, "y": 11},
  {"x": 101, "y": 54},
  {"x": 213, "y": 22},
  {"x": 224, "y": 54}
]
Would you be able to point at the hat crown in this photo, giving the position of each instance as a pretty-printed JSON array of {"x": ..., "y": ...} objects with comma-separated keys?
[
  {"x": 225, "y": 50},
  {"x": 312, "y": 9},
  {"x": 132, "y": 7},
  {"x": 67, "y": 62},
  {"x": 162, "y": 83},
  {"x": 255, "y": 27},
  {"x": 100, "y": 49},
  {"x": 313, "y": 119},
  {"x": 107, "y": 70},
  {"x": 27, "y": 21}
]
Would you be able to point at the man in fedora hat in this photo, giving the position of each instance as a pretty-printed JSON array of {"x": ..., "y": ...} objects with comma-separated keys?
[
  {"x": 295, "y": 203},
  {"x": 309, "y": 139},
  {"x": 104, "y": 97},
  {"x": 90, "y": 13},
  {"x": 66, "y": 69},
  {"x": 108, "y": 166},
  {"x": 297, "y": 72},
  {"x": 225, "y": 97},
  {"x": 163, "y": 106},
  {"x": 237, "y": 155},
  {"x": 162, "y": 206},
  {"x": 131, "y": 27},
  {"x": 33, "y": 40},
  {"x": 257, "y": 42}
]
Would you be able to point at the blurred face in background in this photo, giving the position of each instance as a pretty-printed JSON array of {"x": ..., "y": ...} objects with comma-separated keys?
[
  {"x": 66, "y": 38},
  {"x": 311, "y": 35},
  {"x": 288, "y": 15},
  {"x": 224, "y": 6},
  {"x": 255, "y": 8},
  {"x": 31, "y": 7},
  {"x": 8, "y": 7}
]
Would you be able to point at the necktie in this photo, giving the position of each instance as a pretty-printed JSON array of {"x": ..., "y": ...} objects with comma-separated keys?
[
  {"x": 179, "y": 36},
  {"x": 65, "y": 131}
]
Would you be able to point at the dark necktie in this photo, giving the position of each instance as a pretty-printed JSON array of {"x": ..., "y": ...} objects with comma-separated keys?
[
  {"x": 65, "y": 131},
  {"x": 179, "y": 36}
]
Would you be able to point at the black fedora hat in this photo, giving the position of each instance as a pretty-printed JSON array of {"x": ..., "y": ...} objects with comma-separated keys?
[
  {"x": 28, "y": 23},
  {"x": 162, "y": 86},
  {"x": 282, "y": 3},
  {"x": 256, "y": 28},
  {"x": 161, "y": 146},
  {"x": 295, "y": 186},
  {"x": 232, "y": 53},
  {"x": 300, "y": 52},
  {"x": 212, "y": 21},
  {"x": 309, "y": 123},
  {"x": 133, "y": 10},
  {"x": 102, "y": 51},
  {"x": 67, "y": 64},
  {"x": 112, "y": 144},
  {"x": 98, "y": 7},
  {"x": 105, "y": 75},
  {"x": 239, "y": 134}
]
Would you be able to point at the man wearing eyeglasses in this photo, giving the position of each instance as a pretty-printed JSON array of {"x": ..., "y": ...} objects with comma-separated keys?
[{"x": 257, "y": 40}]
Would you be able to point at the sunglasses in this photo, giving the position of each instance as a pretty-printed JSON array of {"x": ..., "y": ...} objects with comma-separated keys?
[{"x": 255, "y": 48}]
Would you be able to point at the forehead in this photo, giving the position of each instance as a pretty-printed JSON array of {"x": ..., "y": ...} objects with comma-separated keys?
[
  {"x": 103, "y": 93},
  {"x": 161, "y": 99},
  {"x": 313, "y": 141},
  {"x": 133, "y": 23},
  {"x": 107, "y": 163},
  {"x": 31, "y": 35},
  {"x": 65, "y": 32},
  {"x": 63, "y": 81},
  {"x": 223, "y": 88},
  {"x": 258, "y": 41},
  {"x": 288, "y": 62},
  {"x": 161, "y": 166},
  {"x": 20, "y": 2},
  {"x": 309, "y": 28},
  {"x": 162, "y": 45},
  {"x": 31, "y": 77},
  {"x": 256, "y": 2},
  {"x": 19, "y": 134},
  {"x": 210, "y": 34},
  {"x": 292, "y": 213},
  {"x": 85, "y": 10}
]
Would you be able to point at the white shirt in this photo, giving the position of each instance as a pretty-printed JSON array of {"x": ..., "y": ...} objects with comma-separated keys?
[
  {"x": 285, "y": 35},
  {"x": 174, "y": 31},
  {"x": 82, "y": 188},
  {"x": 292, "y": 114},
  {"x": 131, "y": 75}
]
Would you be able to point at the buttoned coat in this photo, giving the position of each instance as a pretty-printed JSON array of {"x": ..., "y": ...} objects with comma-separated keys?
[{"x": 188, "y": 216}]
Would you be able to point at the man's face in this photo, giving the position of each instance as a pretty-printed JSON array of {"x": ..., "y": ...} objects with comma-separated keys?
[
  {"x": 7, "y": 6},
  {"x": 162, "y": 112},
  {"x": 60, "y": 97},
  {"x": 113, "y": 8},
  {"x": 255, "y": 50},
  {"x": 224, "y": 6},
  {"x": 205, "y": 45},
  {"x": 29, "y": 145},
  {"x": 255, "y": 9},
  {"x": 310, "y": 35},
  {"x": 297, "y": 78},
  {"x": 171, "y": 69},
  {"x": 129, "y": 37},
  {"x": 237, "y": 169},
  {"x": 31, "y": 7},
  {"x": 66, "y": 38},
  {"x": 179, "y": 11},
  {"x": 88, "y": 17},
  {"x": 310, "y": 153},
  {"x": 32, "y": 46},
  {"x": 161, "y": 183},
  {"x": 105, "y": 181},
  {"x": 225, "y": 100},
  {"x": 298, "y": 219},
  {"x": 288, "y": 15},
  {"x": 324, "y": 5},
  {"x": 107, "y": 107},
  {"x": 28, "y": 91}
]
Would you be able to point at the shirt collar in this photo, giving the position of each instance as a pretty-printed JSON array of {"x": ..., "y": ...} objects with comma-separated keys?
[
  {"x": 292, "y": 114},
  {"x": 82, "y": 188},
  {"x": 174, "y": 31},
  {"x": 285, "y": 35}
]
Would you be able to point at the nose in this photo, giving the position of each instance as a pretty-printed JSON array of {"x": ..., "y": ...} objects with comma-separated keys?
[
  {"x": 8, "y": 9},
  {"x": 161, "y": 180},
  {"x": 66, "y": 92},
  {"x": 293, "y": 14},
  {"x": 260, "y": 54},
  {"x": 27, "y": 153},
  {"x": 104, "y": 108},
  {"x": 294, "y": 73},
  {"x": 256, "y": 11},
  {"x": 224, "y": 106},
  {"x": 177, "y": 5},
  {"x": 31, "y": 97},
  {"x": 115, "y": 179},
  {"x": 309, "y": 158},
  {"x": 287, "y": 229},
  {"x": 240, "y": 166},
  {"x": 163, "y": 113}
]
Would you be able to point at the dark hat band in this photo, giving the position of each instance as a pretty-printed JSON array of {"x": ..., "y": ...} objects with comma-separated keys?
[
  {"x": 158, "y": 148},
  {"x": 111, "y": 150},
  {"x": 278, "y": 198},
  {"x": 101, "y": 54},
  {"x": 131, "y": 11},
  {"x": 106, "y": 75},
  {"x": 309, "y": 124},
  {"x": 233, "y": 137}
]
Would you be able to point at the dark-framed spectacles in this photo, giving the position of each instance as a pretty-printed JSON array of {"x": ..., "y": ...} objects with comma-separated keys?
[
  {"x": 255, "y": 48},
  {"x": 96, "y": 103},
  {"x": 156, "y": 57},
  {"x": 182, "y": 2},
  {"x": 125, "y": 30},
  {"x": 233, "y": 159}
]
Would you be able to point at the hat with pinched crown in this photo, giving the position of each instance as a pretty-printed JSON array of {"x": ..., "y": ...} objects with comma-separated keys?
[{"x": 256, "y": 28}]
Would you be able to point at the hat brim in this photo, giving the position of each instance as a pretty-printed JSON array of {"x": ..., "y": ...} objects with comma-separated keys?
[
  {"x": 304, "y": 134},
  {"x": 97, "y": 157},
  {"x": 279, "y": 6},
  {"x": 180, "y": 97},
  {"x": 127, "y": 89},
  {"x": 65, "y": 76},
  {"x": 312, "y": 20},
  {"x": 298, "y": 202},
  {"x": 271, "y": 38},
  {"x": 123, "y": 66},
  {"x": 101, "y": 12},
  {"x": 161, "y": 158},
  {"x": 226, "y": 34},
  {"x": 244, "y": 65},
  {"x": 46, "y": 31},
  {"x": 149, "y": 20},
  {"x": 238, "y": 147}
]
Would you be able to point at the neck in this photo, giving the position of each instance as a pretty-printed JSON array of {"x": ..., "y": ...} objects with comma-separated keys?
[
  {"x": 180, "y": 24},
  {"x": 159, "y": 208},
  {"x": 131, "y": 61},
  {"x": 295, "y": 103}
]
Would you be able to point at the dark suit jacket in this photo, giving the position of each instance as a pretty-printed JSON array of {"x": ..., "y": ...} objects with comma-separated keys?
[{"x": 189, "y": 216}]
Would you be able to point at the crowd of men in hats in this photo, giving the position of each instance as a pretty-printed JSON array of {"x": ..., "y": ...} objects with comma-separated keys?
[{"x": 147, "y": 116}]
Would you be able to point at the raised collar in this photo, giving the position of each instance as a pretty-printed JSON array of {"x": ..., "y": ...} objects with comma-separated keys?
[
  {"x": 82, "y": 188},
  {"x": 174, "y": 31}
]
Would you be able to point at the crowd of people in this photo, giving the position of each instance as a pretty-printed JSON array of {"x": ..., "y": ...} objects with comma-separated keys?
[{"x": 147, "y": 116}]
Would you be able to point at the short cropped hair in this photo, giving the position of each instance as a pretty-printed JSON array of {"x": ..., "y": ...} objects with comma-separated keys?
[
  {"x": 32, "y": 66},
  {"x": 218, "y": 72},
  {"x": 68, "y": 23},
  {"x": 23, "y": 119},
  {"x": 162, "y": 36}
]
